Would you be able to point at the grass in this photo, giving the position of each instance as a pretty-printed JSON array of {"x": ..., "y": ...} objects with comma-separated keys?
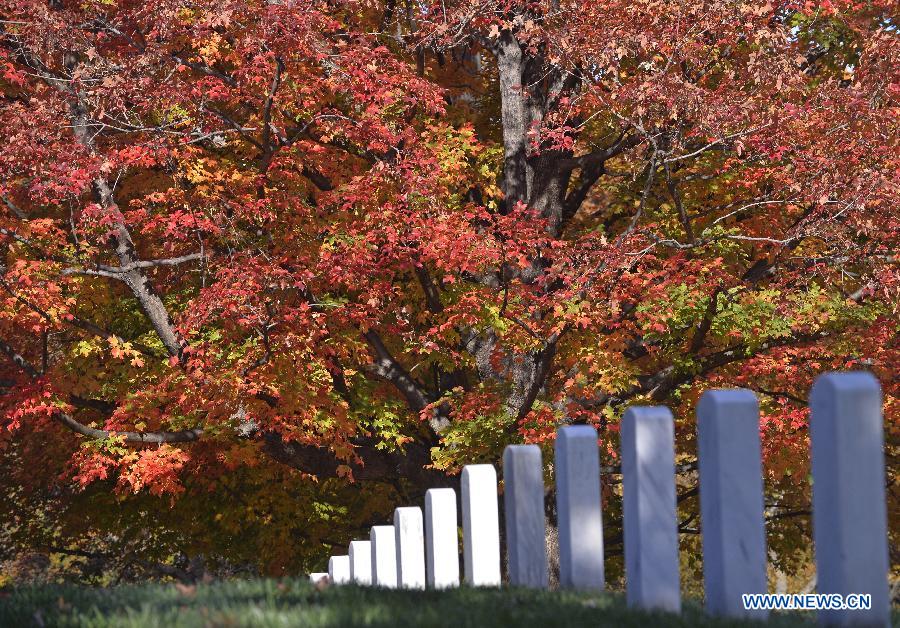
[{"x": 297, "y": 603}]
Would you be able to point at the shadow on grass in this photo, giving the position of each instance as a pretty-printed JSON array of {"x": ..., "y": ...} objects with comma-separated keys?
[{"x": 296, "y": 603}]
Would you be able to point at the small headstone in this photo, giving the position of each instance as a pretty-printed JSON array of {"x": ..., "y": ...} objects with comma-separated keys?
[
  {"x": 481, "y": 532},
  {"x": 384, "y": 556},
  {"x": 731, "y": 501},
  {"x": 577, "y": 466},
  {"x": 339, "y": 569},
  {"x": 849, "y": 512},
  {"x": 317, "y": 577},
  {"x": 441, "y": 538},
  {"x": 410, "y": 544},
  {"x": 648, "y": 503},
  {"x": 361, "y": 562},
  {"x": 526, "y": 532}
]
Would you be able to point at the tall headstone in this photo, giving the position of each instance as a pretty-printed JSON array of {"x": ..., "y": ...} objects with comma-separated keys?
[
  {"x": 339, "y": 569},
  {"x": 361, "y": 562},
  {"x": 441, "y": 538},
  {"x": 648, "y": 495},
  {"x": 523, "y": 497},
  {"x": 731, "y": 501},
  {"x": 577, "y": 466},
  {"x": 849, "y": 512},
  {"x": 384, "y": 556},
  {"x": 410, "y": 544},
  {"x": 481, "y": 532}
]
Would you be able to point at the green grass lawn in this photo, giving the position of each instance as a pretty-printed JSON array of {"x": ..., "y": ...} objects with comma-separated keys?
[{"x": 296, "y": 603}]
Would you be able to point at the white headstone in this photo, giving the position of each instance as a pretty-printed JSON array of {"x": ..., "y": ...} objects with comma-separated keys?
[
  {"x": 339, "y": 569},
  {"x": 441, "y": 538},
  {"x": 481, "y": 532},
  {"x": 526, "y": 531},
  {"x": 577, "y": 467},
  {"x": 361, "y": 562},
  {"x": 648, "y": 503},
  {"x": 317, "y": 577},
  {"x": 849, "y": 511},
  {"x": 384, "y": 556},
  {"x": 731, "y": 501},
  {"x": 410, "y": 544}
]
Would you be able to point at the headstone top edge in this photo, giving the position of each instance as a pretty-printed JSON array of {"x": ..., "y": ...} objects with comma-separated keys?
[
  {"x": 726, "y": 396},
  {"x": 568, "y": 432},
  {"x": 474, "y": 470},
  {"x": 656, "y": 413},
  {"x": 522, "y": 447},
  {"x": 440, "y": 491},
  {"x": 845, "y": 381}
]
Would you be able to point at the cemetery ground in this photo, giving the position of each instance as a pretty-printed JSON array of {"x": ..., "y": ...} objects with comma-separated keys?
[{"x": 295, "y": 602}]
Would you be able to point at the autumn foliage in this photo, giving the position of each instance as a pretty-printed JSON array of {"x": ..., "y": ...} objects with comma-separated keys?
[{"x": 267, "y": 268}]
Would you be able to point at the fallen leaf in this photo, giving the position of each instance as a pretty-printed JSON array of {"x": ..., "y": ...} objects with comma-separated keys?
[{"x": 187, "y": 590}]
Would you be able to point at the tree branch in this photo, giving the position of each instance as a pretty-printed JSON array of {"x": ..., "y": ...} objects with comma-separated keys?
[
  {"x": 80, "y": 428},
  {"x": 21, "y": 215},
  {"x": 267, "y": 149},
  {"x": 705, "y": 323},
  {"x": 242, "y": 131},
  {"x": 387, "y": 367},
  {"x": 597, "y": 157},
  {"x": 144, "y": 438},
  {"x": 103, "y": 270},
  {"x": 432, "y": 295},
  {"x": 19, "y": 360}
]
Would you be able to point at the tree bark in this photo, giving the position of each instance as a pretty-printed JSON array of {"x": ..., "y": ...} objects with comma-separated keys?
[{"x": 514, "y": 118}]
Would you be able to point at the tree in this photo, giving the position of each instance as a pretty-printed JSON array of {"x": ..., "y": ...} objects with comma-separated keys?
[{"x": 376, "y": 241}]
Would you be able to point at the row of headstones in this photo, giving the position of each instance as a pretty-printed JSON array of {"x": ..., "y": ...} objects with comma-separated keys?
[{"x": 849, "y": 510}]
